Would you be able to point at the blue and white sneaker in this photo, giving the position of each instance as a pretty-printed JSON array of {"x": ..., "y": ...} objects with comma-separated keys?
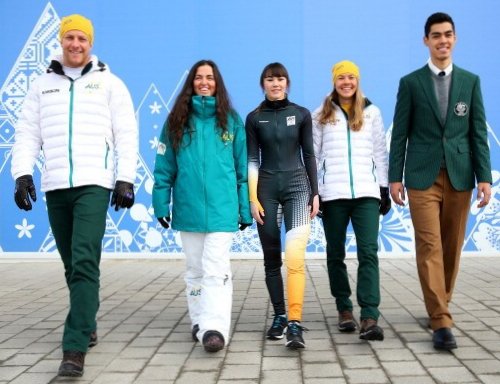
[
  {"x": 294, "y": 339},
  {"x": 278, "y": 328}
]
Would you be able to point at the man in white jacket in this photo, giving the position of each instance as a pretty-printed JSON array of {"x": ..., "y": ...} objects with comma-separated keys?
[{"x": 82, "y": 118}]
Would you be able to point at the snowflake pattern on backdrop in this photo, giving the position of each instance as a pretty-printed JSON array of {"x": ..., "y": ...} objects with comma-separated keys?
[{"x": 136, "y": 230}]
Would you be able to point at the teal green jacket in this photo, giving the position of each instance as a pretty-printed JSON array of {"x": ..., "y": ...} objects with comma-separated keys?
[
  {"x": 420, "y": 140},
  {"x": 207, "y": 176}
]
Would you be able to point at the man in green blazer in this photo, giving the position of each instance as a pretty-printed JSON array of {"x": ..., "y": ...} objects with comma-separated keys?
[{"x": 439, "y": 140}]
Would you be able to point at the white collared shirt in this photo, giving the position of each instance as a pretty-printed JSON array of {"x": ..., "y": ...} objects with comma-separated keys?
[{"x": 436, "y": 70}]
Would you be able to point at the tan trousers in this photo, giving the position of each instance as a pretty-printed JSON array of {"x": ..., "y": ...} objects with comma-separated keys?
[{"x": 439, "y": 215}]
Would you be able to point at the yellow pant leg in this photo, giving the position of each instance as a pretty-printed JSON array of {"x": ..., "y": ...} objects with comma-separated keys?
[{"x": 295, "y": 249}]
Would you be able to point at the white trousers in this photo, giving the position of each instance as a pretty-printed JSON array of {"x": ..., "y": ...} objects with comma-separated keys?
[{"x": 209, "y": 284}]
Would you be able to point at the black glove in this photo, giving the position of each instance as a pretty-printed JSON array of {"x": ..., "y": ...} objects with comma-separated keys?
[
  {"x": 164, "y": 221},
  {"x": 123, "y": 195},
  {"x": 24, "y": 190},
  {"x": 385, "y": 201},
  {"x": 243, "y": 226}
]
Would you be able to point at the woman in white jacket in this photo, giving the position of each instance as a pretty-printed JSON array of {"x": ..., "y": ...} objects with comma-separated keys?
[{"x": 349, "y": 143}]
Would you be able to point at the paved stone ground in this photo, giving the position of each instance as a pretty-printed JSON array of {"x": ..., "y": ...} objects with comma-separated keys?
[{"x": 145, "y": 337}]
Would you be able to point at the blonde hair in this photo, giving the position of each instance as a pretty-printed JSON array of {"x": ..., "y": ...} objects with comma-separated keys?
[{"x": 355, "y": 114}]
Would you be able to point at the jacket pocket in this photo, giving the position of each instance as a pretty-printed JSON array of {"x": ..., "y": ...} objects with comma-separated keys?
[
  {"x": 324, "y": 171},
  {"x": 106, "y": 154},
  {"x": 463, "y": 148}
]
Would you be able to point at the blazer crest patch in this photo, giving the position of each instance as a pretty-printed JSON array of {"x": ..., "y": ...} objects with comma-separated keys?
[{"x": 461, "y": 109}]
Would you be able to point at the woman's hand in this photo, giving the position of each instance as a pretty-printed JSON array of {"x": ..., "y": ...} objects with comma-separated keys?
[{"x": 257, "y": 212}]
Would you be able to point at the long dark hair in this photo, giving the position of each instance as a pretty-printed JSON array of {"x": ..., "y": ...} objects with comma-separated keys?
[{"x": 182, "y": 109}]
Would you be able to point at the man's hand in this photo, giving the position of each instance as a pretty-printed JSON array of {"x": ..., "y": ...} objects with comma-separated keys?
[
  {"x": 398, "y": 193},
  {"x": 483, "y": 194},
  {"x": 313, "y": 206},
  {"x": 164, "y": 221},
  {"x": 385, "y": 201},
  {"x": 24, "y": 190},
  {"x": 320, "y": 208},
  {"x": 123, "y": 195}
]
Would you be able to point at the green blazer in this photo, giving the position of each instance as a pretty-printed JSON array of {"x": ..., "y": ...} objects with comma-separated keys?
[{"x": 420, "y": 140}]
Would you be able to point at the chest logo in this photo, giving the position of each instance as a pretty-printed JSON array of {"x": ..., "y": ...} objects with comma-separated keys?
[
  {"x": 93, "y": 86},
  {"x": 461, "y": 109},
  {"x": 50, "y": 91},
  {"x": 290, "y": 120},
  {"x": 227, "y": 138}
]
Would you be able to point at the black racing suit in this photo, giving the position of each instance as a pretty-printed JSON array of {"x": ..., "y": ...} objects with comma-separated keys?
[{"x": 282, "y": 180}]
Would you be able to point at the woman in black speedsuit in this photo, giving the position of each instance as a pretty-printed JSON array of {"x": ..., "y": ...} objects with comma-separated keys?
[{"x": 283, "y": 184}]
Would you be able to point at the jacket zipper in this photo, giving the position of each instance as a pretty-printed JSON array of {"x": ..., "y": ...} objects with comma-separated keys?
[
  {"x": 349, "y": 155},
  {"x": 70, "y": 144},
  {"x": 202, "y": 135},
  {"x": 276, "y": 132}
]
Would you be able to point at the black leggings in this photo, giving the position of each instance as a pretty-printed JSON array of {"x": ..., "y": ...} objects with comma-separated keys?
[{"x": 285, "y": 195}]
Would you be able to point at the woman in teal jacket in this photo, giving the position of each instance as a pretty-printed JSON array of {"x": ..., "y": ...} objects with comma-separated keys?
[{"x": 202, "y": 162}]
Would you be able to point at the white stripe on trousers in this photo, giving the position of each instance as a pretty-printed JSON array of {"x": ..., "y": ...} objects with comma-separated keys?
[{"x": 209, "y": 284}]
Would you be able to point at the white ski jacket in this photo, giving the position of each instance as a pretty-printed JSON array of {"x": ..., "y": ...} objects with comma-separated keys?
[
  {"x": 351, "y": 164},
  {"x": 85, "y": 128}
]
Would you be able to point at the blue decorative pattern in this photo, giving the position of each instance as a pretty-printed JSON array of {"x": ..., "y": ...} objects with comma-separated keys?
[{"x": 136, "y": 230}]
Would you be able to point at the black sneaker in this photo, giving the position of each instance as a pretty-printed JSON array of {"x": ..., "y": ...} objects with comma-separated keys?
[
  {"x": 194, "y": 332},
  {"x": 72, "y": 364},
  {"x": 346, "y": 322},
  {"x": 370, "y": 330},
  {"x": 93, "y": 339},
  {"x": 294, "y": 339},
  {"x": 278, "y": 328}
]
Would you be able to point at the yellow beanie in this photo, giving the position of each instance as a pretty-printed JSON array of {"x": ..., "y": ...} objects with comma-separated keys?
[
  {"x": 79, "y": 23},
  {"x": 343, "y": 67}
]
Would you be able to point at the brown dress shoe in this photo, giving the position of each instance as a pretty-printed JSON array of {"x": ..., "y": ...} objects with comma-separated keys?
[
  {"x": 213, "y": 341},
  {"x": 72, "y": 364}
]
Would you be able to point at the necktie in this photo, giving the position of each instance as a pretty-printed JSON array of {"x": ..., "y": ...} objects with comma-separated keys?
[{"x": 442, "y": 73}]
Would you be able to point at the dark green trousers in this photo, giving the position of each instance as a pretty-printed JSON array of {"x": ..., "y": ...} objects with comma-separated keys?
[
  {"x": 77, "y": 218},
  {"x": 364, "y": 216}
]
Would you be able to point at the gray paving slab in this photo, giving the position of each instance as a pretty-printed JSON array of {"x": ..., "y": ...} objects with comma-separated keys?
[{"x": 144, "y": 330}]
